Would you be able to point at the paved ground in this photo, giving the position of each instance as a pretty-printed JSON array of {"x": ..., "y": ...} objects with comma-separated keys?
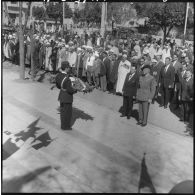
[{"x": 103, "y": 153}]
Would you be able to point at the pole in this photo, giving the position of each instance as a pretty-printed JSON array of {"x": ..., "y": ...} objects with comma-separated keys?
[
  {"x": 63, "y": 19},
  {"x": 186, "y": 20},
  {"x": 21, "y": 43},
  {"x": 32, "y": 49},
  {"x": 103, "y": 19}
]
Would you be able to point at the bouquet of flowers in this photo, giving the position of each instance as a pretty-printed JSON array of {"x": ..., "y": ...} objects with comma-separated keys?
[{"x": 80, "y": 85}]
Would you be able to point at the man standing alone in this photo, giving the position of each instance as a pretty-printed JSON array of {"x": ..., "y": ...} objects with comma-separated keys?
[{"x": 63, "y": 83}]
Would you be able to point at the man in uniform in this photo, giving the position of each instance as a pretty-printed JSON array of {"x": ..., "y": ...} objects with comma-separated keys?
[
  {"x": 63, "y": 83},
  {"x": 145, "y": 93}
]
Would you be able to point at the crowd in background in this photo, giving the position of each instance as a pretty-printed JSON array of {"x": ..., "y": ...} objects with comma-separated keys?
[{"x": 105, "y": 62}]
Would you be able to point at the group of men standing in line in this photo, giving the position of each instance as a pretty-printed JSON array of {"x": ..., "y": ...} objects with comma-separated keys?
[{"x": 136, "y": 69}]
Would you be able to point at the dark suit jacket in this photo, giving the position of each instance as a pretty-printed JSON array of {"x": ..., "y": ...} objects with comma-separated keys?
[
  {"x": 66, "y": 95},
  {"x": 130, "y": 86},
  {"x": 187, "y": 90},
  {"x": 167, "y": 78},
  {"x": 156, "y": 70},
  {"x": 106, "y": 63}
]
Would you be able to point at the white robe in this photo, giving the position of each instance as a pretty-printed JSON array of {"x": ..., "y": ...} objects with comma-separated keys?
[
  {"x": 47, "y": 58},
  {"x": 123, "y": 69}
]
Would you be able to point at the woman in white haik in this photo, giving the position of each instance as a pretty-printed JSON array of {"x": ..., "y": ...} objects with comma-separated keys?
[{"x": 123, "y": 69}]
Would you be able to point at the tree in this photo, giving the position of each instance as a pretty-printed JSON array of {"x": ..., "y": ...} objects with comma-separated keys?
[
  {"x": 39, "y": 13},
  {"x": 120, "y": 12},
  {"x": 55, "y": 11},
  {"x": 165, "y": 15},
  {"x": 90, "y": 13}
]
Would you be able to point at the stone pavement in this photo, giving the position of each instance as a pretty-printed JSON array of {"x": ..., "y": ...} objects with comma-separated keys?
[{"x": 103, "y": 153}]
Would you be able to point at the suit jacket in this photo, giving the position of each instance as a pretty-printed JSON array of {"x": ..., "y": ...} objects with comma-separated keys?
[
  {"x": 167, "y": 78},
  {"x": 66, "y": 94},
  {"x": 130, "y": 86},
  {"x": 146, "y": 88},
  {"x": 156, "y": 70},
  {"x": 187, "y": 89},
  {"x": 106, "y": 63}
]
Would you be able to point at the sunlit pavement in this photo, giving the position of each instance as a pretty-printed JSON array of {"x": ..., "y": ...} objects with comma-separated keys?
[{"x": 103, "y": 152}]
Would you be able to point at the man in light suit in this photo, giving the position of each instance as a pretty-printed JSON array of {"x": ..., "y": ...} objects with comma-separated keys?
[
  {"x": 129, "y": 92},
  {"x": 167, "y": 76}
]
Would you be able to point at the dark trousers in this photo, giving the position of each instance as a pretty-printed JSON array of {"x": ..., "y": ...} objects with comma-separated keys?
[
  {"x": 103, "y": 83},
  {"x": 96, "y": 80},
  {"x": 156, "y": 94},
  {"x": 65, "y": 115},
  {"x": 187, "y": 110},
  {"x": 166, "y": 95},
  {"x": 127, "y": 105},
  {"x": 89, "y": 76},
  {"x": 143, "y": 111}
]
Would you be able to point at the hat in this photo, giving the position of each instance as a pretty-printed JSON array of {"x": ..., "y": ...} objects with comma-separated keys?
[
  {"x": 146, "y": 66},
  {"x": 125, "y": 51},
  {"x": 65, "y": 65}
]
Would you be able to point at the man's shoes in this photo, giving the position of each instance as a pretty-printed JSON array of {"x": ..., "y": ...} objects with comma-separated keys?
[
  {"x": 139, "y": 123},
  {"x": 143, "y": 125},
  {"x": 165, "y": 107},
  {"x": 152, "y": 102},
  {"x": 160, "y": 105},
  {"x": 122, "y": 115},
  {"x": 128, "y": 117}
]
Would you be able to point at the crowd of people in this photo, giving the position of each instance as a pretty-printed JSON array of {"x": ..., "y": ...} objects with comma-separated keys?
[{"x": 109, "y": 63}]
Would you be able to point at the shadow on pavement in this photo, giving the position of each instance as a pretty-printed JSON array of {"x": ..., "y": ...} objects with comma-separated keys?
[
  {"x": 9, "y": 148},
  {"x": 16, "y": 184},
  {"x": 79, "y": 114},
  {"x": 31, "y": 132},
  {"x": 44, "y": 140},
  {"x": 134, "y": 113},
  {"x": 145, "y": 179}
]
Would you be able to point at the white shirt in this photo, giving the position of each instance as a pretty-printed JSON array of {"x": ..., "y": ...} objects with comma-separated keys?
[
  {"x": 130, "y": 76},
  {"x": 90, "y": 61},
  {"x": 166, "y": 68},
  {"x": 72, "y": 59}
]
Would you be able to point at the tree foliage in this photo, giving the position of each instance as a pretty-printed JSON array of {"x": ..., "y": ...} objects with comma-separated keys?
[
  {"x": 38, "y": 12},
  {"x": 55, "y": 11},
  {"x": 121, "y": 12},
  {"x": 90, "y": 13},
  {"x": 165, "y": 15}
]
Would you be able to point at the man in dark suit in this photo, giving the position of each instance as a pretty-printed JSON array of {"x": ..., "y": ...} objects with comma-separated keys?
[
  {"x": 129, "y": 92},
  {"x": 166, "y": 82},
  {"x": 177, "y": 66},
  {"x": 103, "y": 81},
  {"x": 186, "y": 95},
  {"x": 155, "y": 71},
  {"x": 107, "y": 62},
  {"x": 63, "y": 83}
]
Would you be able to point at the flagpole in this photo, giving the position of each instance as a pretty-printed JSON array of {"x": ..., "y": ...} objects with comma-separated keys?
[{"x": 186, "y": 20}]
